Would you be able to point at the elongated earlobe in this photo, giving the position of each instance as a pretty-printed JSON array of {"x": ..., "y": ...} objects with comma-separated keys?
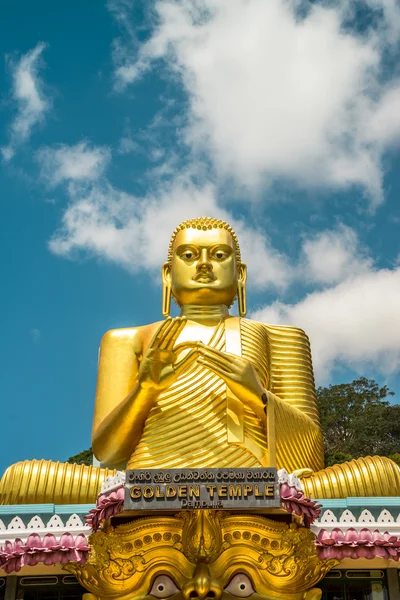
[
  {"x": 242, "y": 300},
  {"x": 166, "y": 289}
]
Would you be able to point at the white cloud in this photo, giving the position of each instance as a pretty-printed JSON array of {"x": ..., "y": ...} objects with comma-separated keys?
[
  {"x": 30, "y": 100},
  {"x": 7, "y": 153},
  {"x": 127, "y": 145},
  {"x": 82, "y": 162},
  {"x": 355, "y": 323},
  {"x": 35, "y": 334},
  {"x": 134, "y": 232},
  {"x": 332, "y": 256},
  {"x": 275, "y": 96}
]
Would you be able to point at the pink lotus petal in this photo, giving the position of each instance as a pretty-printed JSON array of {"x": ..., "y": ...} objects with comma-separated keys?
[
  {"x": 8, "y": 547},
  {"x": 365, "y": 552},
  {"x": 327, "y": 552},
  {"x": 353, "y": 544},
  {"x": 81, "y": 542},
  {"x": 377, "y": 536},
  {"x": 366, "y": 535},
  {"x": 49, "y": 540},
  {"x": 67, "y": 540},
  {"x": 18, "y": 546},
  {"x": 351, "y": 535},
  {"x": 325, "y": 538},
  {"x": 34, "y": 541},
  {"x": 47, "y": 550},
  {"x": 31, "y": 560},
  {"x": 285, "y": 489},
  {"x": 14, "y": 564},
  {"x": 338, "y": 535},
  {"x": 391, "y": 539}
]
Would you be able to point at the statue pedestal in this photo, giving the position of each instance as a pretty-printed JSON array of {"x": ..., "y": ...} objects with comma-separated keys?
[{"x": 202, "y": 552}]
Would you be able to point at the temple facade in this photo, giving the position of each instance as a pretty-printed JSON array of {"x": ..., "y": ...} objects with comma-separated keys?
[
  {"x": 212, "y": 482},
  {"x": 37, "y": 541}
]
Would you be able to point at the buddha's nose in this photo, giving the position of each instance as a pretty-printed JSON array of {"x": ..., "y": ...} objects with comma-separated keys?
[
  {"x": 204, "y": 261},
  {"x": 202, "y": 586}
]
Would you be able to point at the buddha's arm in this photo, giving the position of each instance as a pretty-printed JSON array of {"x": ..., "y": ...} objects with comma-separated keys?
[
  {"x": 122, "y": 405},
  {"x": 298, "y": 439},
  {"x": 129, "y": 382}
]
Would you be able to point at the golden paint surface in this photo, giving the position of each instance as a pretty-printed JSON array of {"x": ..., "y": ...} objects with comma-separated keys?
[
  {"x": 190, "y": 392},
  {"x": 171, "y": 406},
  {"x": 202, "y": 552}
]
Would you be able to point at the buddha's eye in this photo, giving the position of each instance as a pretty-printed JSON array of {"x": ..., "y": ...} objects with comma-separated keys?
[
  {"x": 240, "y": 585},
  {"x": 188, "y": 254},
  {"x": 163, "y": 587},
  {"x": 220, "y": 254}
]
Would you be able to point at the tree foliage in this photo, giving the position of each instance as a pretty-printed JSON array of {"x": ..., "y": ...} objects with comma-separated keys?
[
  {"x": 82, "y": 458},
  {"x": 357, "y": 419}
]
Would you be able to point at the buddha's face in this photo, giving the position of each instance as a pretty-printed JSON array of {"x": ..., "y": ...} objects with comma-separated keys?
[{"x": 204, "y": 269}]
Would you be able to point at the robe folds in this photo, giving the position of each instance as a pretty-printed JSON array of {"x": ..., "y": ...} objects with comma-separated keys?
[{"x": 194, "y": 423}]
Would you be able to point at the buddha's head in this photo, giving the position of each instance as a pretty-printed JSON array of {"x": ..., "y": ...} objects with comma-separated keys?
[{"x": 204, "y": 266}]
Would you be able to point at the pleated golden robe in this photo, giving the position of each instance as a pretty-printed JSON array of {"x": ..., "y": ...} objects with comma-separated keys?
[{"x": 189, "y": 426}]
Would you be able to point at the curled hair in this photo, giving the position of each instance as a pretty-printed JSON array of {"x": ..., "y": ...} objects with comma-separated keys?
[{"x": 204, "y": 223}]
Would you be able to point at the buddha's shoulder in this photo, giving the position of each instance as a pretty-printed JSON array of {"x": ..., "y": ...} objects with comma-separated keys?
[
  {"x": 278, "y": 330},
  {"x": 126, "y": 335}
]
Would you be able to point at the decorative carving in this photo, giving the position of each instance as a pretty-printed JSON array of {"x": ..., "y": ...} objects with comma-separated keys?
[
  {"x": 35, "y": 523},
  {"x": 347, "y": 517},
  {"x": 366, "y": 517},
  {"x": 16, "y": 523},
  {"x": 74, "y": 521},
  {"x": 328, "y": 517},
  {"x": 201, "y": 536},
  {"x": 203, "y": 550},
  {"x": 385, "y": 516},
  {"x": 55, "y": 522}
]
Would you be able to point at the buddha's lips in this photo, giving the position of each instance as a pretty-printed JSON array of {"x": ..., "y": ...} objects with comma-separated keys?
[{"x": 208, "y": 277}]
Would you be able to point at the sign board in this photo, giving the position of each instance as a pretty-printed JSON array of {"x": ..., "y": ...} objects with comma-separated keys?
[{"x": 185, "y": 489}]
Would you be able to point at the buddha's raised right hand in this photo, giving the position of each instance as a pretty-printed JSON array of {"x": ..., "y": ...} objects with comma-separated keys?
[{"x": 159, "y": 367}]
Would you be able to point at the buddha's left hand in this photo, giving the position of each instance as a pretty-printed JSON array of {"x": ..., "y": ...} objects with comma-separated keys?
[{"x": 238, "y": 374}]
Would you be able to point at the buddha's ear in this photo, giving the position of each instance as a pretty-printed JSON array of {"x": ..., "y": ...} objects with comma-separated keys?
[
  {"x": 166, "y": 273},
  {"x": 242, "y": 273},
  {"x": 166, "y": 289},
  {"x": 242, "y": 300}
]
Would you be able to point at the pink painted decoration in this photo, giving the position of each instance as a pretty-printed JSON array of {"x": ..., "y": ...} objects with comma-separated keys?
[
  {"x": 45, "y": 550},
  {"x": 357, "y": 544},
  {"x": 294, "y": 501},
  {"x": 107, "y": 506},
  {"x": 111, "y": 503}
]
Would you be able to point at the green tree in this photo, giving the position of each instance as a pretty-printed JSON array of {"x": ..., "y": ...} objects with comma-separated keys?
[
  {"x": 82, "y": 458},
  {"x": 358, "y": 420},
  {"x": 395, "y": 458}
]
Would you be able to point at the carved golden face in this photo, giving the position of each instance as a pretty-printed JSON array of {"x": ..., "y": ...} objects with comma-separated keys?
[
  {"x": 203, "y": 269},
  {"x": 203, "y": 555},
  {"x": 203, "y": 586}
]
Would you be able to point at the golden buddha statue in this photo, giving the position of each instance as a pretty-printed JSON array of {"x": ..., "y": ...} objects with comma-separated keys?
[
  {"x": 205, "y": 389},
  {"x": 191, "y": 391}
]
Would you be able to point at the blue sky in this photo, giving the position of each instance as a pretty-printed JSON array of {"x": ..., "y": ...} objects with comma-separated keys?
[{"x": 120, "y": 119}]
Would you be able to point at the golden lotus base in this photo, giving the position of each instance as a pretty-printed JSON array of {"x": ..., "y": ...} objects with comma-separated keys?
[{"x": 202, "y": 555}]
